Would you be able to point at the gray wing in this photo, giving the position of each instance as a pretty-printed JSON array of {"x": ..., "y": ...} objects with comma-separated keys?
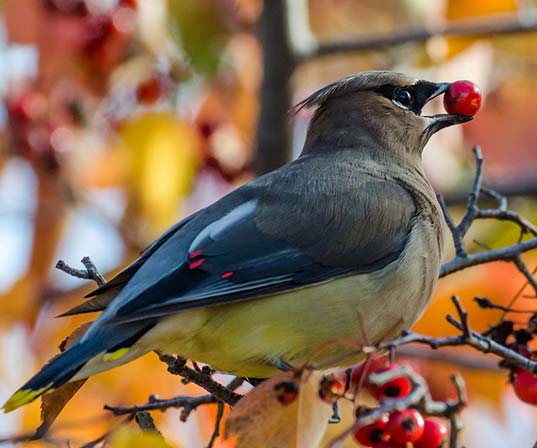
[{"x": 276, "y": 234}]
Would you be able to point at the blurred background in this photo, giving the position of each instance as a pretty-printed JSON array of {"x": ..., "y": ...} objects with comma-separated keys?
[{"x": 119, "y": 117}]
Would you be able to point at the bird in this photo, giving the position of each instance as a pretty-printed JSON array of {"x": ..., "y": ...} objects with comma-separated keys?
[{"x": 344, "y": 242}]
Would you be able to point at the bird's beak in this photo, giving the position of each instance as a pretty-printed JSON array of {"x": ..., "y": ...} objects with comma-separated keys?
[{"x": 437, "y": 122}]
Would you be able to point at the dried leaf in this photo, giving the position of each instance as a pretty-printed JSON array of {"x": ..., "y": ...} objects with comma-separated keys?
[
  {"x": 54, "y": 402},
  {"x": 259, "y": 419}
]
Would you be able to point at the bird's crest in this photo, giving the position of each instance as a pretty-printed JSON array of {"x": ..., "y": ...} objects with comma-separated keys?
[{"x": 360, "y": 81}]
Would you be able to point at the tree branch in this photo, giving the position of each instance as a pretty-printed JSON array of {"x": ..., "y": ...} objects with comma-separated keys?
[
  {"x": 155, "y": 404},
  {"x": 510, "y": 25},
  {"x": 468, "y": 337},
  {"x": 177, "y": 366},
  {"x": 273, "y": 129},
  {"x": 510, "y": 253}
]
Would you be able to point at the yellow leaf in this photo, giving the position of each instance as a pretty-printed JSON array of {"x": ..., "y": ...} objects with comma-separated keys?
[{"x": 163, "y": 156}]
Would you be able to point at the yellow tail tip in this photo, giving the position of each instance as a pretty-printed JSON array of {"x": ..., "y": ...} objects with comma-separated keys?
[{"x": 22, "y": 397}]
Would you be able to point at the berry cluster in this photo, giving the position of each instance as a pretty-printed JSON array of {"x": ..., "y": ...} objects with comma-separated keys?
[
  {"x": 44, "y": 119},
  {"x": 34, "y": 134},
  {"x": 397, "y": 421},
  {"x": 106, "y": 34},
  {"x": 399, "y": 428}
]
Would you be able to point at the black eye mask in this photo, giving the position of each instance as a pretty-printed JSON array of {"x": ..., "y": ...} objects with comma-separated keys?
[{"x": 412, "y": 97}]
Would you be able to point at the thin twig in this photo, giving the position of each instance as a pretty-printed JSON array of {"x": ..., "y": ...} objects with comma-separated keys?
[
  {"x": 473, "y": 197},
  {"x": 462, "y": 259},
  {"x": 503, "y": 254},
  {"x": 161, "y": 405},
  {"x": 90, "y": 273},
  {"x": 460, "y": 251},
  {"x": 521, "y": 266},
  {"x": 177, "y": 366},
  {"x": 455, "y": 421},
  {"x": 217, "y": 422},
  {"x": 468, "y": 338},
  {"x": 508, "y": 215},
  {"x": 518, "y": 293}
]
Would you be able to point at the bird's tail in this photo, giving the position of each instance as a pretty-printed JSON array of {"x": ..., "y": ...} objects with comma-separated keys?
[{"x": 71, "y": 362}]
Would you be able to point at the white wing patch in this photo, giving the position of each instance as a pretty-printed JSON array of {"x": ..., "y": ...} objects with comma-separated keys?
[{"x": 217, "y": 228}]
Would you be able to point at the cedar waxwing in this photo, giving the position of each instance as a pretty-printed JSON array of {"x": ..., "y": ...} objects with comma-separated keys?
[{"x": 348, "y": 234}]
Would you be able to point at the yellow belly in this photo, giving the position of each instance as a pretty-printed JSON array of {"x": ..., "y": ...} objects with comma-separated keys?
[{"x": 247, "y": 337}]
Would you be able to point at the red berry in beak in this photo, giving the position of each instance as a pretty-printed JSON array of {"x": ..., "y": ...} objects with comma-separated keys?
[{"x": 462, "y": 98}]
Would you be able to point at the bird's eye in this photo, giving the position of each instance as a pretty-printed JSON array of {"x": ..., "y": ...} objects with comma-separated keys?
[{"x": 402, "y": 98}]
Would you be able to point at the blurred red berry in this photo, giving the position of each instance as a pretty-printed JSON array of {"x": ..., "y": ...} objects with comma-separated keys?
[
  {"x": 331, "y": 389},
  {"x": 286, "y": 392},
  {"x": 405, "y": 426},
  {"x": 98, "y": 29},
  {"x": 525, "y": 385},
  {"x": 28, "y": 106},
  {"x": 435, "y": 434},
  {"x": 207, "y": 128},
  {"x": 462, "y": 98},
  {"x": 399, "y": 387},
  {"x": 129, "y": 3},
  {"x": 369, "y": 435},
  {"x": 153, "y": 89}
]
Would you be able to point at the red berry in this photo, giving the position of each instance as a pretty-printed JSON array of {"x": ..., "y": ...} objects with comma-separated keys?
[
  {"x": 399, "y": 387},
  {"x": 152, "y": 89},
  {"x": 369, "y": 435},
  {"x": 331, "y": 389},
  {"x": 98, "y": 30},
  {"x": 462, "y": 98},
  {"x": 374, "y": 365},
  {"x": 286, "y": 392},
  {"x": 435, "y": 434},
  {"x": 406, "y": 426},
  {"x": 525, "y": 385},
  {"x": 28, "y": 106}
]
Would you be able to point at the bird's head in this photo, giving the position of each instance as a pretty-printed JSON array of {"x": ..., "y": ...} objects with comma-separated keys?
[{"x": 377, "y": 110}]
